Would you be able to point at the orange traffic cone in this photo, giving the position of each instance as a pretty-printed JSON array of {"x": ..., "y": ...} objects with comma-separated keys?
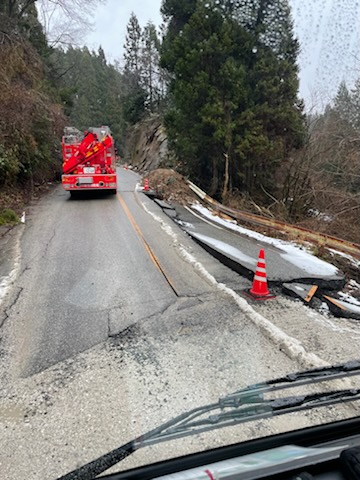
[
  {"x": 259, "y": 288},
  {"x": 146, "y": 185}
]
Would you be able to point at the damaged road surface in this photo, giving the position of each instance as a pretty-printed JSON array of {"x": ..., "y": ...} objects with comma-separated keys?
[
  {"x": 240, "y": 252},
  {"x": 115, "y": 320},
  {"x": 300, "y": 274},
  {"x": 85, "y": 275}
]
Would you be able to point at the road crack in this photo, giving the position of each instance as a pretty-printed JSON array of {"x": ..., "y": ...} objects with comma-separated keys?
[
  {"x": 12, "y": 304},
  {"x": 38, "y": 256},
  {"x": 27, "y": 267},
  {"x": 48, "y": 243},
  {"x": 108, "y": 323}
]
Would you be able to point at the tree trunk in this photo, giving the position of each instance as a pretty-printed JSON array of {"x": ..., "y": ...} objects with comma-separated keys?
[
  {"x": 215, "y": 179},
  {"x": 226, "y": 177}
]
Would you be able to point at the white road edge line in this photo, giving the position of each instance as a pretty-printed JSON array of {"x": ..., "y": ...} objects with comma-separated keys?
[
  {"x": 203, "y": 219},
  {"x": 292, "y": 347}
]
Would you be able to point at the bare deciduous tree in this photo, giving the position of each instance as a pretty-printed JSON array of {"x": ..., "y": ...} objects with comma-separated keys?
[{"x": 64, "y": 21}]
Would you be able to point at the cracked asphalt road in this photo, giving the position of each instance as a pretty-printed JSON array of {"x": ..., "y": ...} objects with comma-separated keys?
[
  {"x": 90, "y": 268},
  {"x": 85, "y": 275},
  {"x": 118, "y": 267}
]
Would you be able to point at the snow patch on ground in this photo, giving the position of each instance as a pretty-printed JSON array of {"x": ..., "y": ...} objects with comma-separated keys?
[
  {"x": 8, "y": 280},
  {"x": 306, "y": 261},
  {"x": 323, "y": 216},
  {"x": 351, "y": 259},
  {"x": 185, "y": 224},
  {"x": 225, "y": 247},
  {"x": 349, "y": 298},
  {"x": 292, "y": 253},
  {"x": 324, "y": 309},
  {"x": 349, "y": 306},
  {"x": 354, "y": 284}
]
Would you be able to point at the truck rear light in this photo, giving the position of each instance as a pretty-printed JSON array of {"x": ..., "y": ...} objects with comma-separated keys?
[{"x": 113, "y": 185}]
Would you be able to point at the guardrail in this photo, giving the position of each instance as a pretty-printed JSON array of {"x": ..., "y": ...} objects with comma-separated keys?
[{"x": 300, "y": 233}]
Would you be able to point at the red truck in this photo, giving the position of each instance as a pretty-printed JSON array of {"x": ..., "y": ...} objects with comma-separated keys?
[{"x": 88, "y": 160}]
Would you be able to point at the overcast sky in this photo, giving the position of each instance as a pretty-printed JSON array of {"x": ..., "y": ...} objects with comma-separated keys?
[{"x": 328, "y": 31}]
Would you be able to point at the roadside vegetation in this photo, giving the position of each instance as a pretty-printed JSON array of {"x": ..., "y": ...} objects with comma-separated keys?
[
  {"x": 235, "y": 123},
  {"x": 39, "y": 94},
  {"x": 8, "y": 217},
  {"x": 31, "y": 117},
  {"x": 220, "y": 77}
]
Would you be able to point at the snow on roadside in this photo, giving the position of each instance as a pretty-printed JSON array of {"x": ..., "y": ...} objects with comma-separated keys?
[
  {"x": 350, "y": 299},
  {"x": 294, "y": 254},
  {"x": 226, "y": 248},
  {"x": 352, "y": 285},
  {"x": 9, "y": 279},
  {"x": 349, "y": 305},
  {"x": 351, "y": 259}
]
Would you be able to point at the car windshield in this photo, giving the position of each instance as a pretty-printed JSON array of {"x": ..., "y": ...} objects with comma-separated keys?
[{"x": 179, "y": 219}]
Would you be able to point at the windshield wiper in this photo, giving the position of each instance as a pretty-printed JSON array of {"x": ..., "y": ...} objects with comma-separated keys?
[
  {"x": 239, "y": 407},
  {"x": 298, "y": 379}
]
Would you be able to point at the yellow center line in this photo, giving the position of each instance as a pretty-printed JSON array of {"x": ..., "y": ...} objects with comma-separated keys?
[{"x": 147, "y": 247}]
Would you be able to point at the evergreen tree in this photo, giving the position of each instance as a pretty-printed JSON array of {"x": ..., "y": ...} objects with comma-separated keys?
[
  {"x": 132, "y": 50},
  {"x": 134, "y": 105},
  {"x": 150, "y": 77},
  {"x": 177, "y": 14},
  {"x": 355, "y": 106},
  {"x": 235, "y": 114},
  {"x": 343, "y": 102},
  {"x": 95, "y": 88}
]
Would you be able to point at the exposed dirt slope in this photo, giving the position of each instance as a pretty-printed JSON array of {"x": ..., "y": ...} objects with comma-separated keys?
[{"x": 171, "y": 186}]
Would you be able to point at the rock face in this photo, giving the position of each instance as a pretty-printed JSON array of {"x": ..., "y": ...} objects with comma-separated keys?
[{"x": 146, "y": 146}]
